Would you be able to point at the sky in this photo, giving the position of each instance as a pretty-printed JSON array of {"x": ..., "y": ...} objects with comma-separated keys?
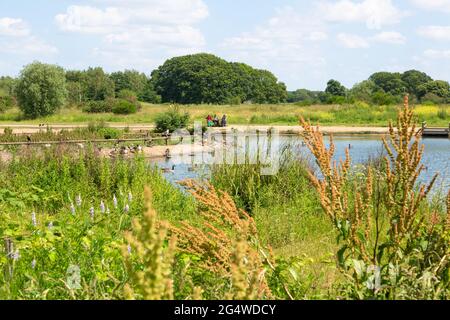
[{"x": 304, "y": 43}]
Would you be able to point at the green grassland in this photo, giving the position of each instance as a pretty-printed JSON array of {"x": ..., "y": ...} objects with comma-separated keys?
[{"x": 359, "y": 114}]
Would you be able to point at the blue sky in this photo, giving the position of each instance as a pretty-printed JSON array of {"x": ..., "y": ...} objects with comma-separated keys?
[{"x": 304, "y": 43}]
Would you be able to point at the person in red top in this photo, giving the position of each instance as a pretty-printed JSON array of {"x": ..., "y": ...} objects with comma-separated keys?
[{"x": 209, "y": 120}]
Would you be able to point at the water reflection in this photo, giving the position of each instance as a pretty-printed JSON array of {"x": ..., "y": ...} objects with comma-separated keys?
[{"x": 251, "y": 148}]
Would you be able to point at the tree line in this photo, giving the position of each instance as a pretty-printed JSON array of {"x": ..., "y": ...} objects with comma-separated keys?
[
  {"x": 382, "y": 88},
  {"x": 41, "y": 89}
]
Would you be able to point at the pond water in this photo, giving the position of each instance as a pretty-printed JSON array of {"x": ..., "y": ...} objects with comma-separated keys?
[{"x": 252, "y": 148}]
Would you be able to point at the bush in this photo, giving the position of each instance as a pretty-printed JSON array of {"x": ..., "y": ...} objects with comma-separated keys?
[
  {"x": 432, "y": 99},
  {"x": 122, "y": 106},
  {"x": 109, "y": 133},
  {"x": 6, "y": 103},
  {"x": 98, "y": 106},
  {"x": 171, "y": 120}
]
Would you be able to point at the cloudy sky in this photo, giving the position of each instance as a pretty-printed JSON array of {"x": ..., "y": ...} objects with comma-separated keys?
[{"x": 305, "y": 43}]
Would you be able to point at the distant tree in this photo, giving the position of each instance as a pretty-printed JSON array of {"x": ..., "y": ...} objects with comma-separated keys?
[
  {"x": 364, "y": 90},
  {"x": 41, "y": 89},
  {"x": 413, "y": 79},
  {"x": 389, "y": 82},
  {"x": 439, "y": 88},
  {"x": 97, "y": 85},
  {"x": 335, "y": 88},
  {"x": 304, "y": 96},
  {"x": 7, "y": 85},
  {"x": 205, "y": 78},
  {"x": 129, "y": 79}
]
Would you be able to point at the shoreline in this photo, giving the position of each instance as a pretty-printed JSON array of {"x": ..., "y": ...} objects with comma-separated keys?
[{"x": 30, "y": 129}]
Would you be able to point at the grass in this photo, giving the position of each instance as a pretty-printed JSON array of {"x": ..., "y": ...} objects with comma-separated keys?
[
  {"x": 359, "y": 114},
  {"x": 47, "y": 230}
]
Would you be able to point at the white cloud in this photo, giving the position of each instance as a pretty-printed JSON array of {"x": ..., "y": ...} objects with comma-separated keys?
[
  {"x": 89, "y": 19},
  {"x": 437, "y": 54},
  {"x": 435, "y": 5},
  {"x": 138, "y": 28},
  {"x": 375, "y": 13},
  {"x": 435, "y": 32},
  {"x": 16, "y": 38},
  {"x": 13, "y": 27},
  {"x": 390, "y": 37},
  {"x": 289, "y": 43},
  {"x": 352, "y": 41},
  {"x": 27, "y": 46}
]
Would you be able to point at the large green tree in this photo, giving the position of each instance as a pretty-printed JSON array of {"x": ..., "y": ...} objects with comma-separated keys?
[
  {"x": 413, "y": 80},
  {"x": 205, "y": 78},
  {"x": 335, "y": 88},
  {"x": 41, "y": 89},
  {"x": 439, "y": 88},
  {"x": 389, "y": 82}
]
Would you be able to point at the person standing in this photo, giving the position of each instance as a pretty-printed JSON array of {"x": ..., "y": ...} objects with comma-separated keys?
[
  {"x": 216, "y": 120},
  {"x": 224, "y": 120}
]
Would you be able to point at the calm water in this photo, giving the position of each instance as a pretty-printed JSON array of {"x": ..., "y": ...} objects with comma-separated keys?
[{"x": 245, "y": 148}]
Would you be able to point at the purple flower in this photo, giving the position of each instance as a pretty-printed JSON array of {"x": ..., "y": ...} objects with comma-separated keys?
[
  {"x": 129, "y": 249},
  {"x": 78, "y": 200},
  {"x": 72, "y": 208},
  {"x": 50, "y": 225},
  {"x": 92, "y": 212},
  {"x": 115, "y": 201},
  {"x": 16, "y": 255},
  {"x": 126, "y": 209},
  {"x": 33, "y": 218},
  {"x": 33, "y": 263},
  {"x": 102, "y": 207},
  {"x": 130, "y": 197}
]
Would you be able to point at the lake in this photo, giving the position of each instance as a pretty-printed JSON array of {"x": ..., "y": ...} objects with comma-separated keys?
[{"x": 241, "y": 148}]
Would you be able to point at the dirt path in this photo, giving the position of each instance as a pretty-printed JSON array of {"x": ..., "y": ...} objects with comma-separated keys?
[{"x": 27, "y": 129}]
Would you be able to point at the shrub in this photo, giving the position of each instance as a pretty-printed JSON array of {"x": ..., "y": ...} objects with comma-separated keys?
[
  {"x": 171, "y": 120},
  {"x": 442, "y": 114},
  {"x": 391, "y": 246},
  {"x": 6, "y": 103},
  {"x": 98, "y": 106},
  {"x": 122, "y": 106},
  {"x": 109, "y": 133}
]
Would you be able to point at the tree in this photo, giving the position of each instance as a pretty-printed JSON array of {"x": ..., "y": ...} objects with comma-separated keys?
[
  {"x": 439, "y": 88},
  {"x": 205, "y": 78},
  {"x": 364, "y": 90},
  {"x": 135, "y": 81},
  {"x": 389, "y": 82},
  {"x": 413, "y": 79},
  {"x": 41, "y": 89},
  {"x": 335, "y": 88},
  {"x": 97, "y": 84}
]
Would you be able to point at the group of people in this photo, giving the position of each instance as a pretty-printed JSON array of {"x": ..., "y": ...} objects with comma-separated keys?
[{"x": 215, "y": 122}]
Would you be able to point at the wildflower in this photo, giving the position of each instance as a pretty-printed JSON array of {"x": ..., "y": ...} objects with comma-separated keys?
[
  {"x": 33, "y": 264},
  {"x": 126, "y": 209},
  {"x": 16, "y": 255},
  {"x": 33, "y": 218},
  {"x": 72, "y": 209},
  {"x": 115, "y": 201},
  {"x": 92, "y": 212},
  {"x": 50, "y": 225},
  {"x": 78, "y": 200},
  {"x": 130, "y": 197},
  {"x": 107, "y": 210},
  {"x": 102, "y": 207},
  {"x": 129, "y": 249}
]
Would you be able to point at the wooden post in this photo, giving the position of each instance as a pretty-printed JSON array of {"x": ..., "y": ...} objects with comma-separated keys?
[{"x": 424, "y": 125}]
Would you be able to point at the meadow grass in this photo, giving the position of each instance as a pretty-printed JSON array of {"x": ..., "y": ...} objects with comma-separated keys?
[{"x": 282, "y": 114}]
